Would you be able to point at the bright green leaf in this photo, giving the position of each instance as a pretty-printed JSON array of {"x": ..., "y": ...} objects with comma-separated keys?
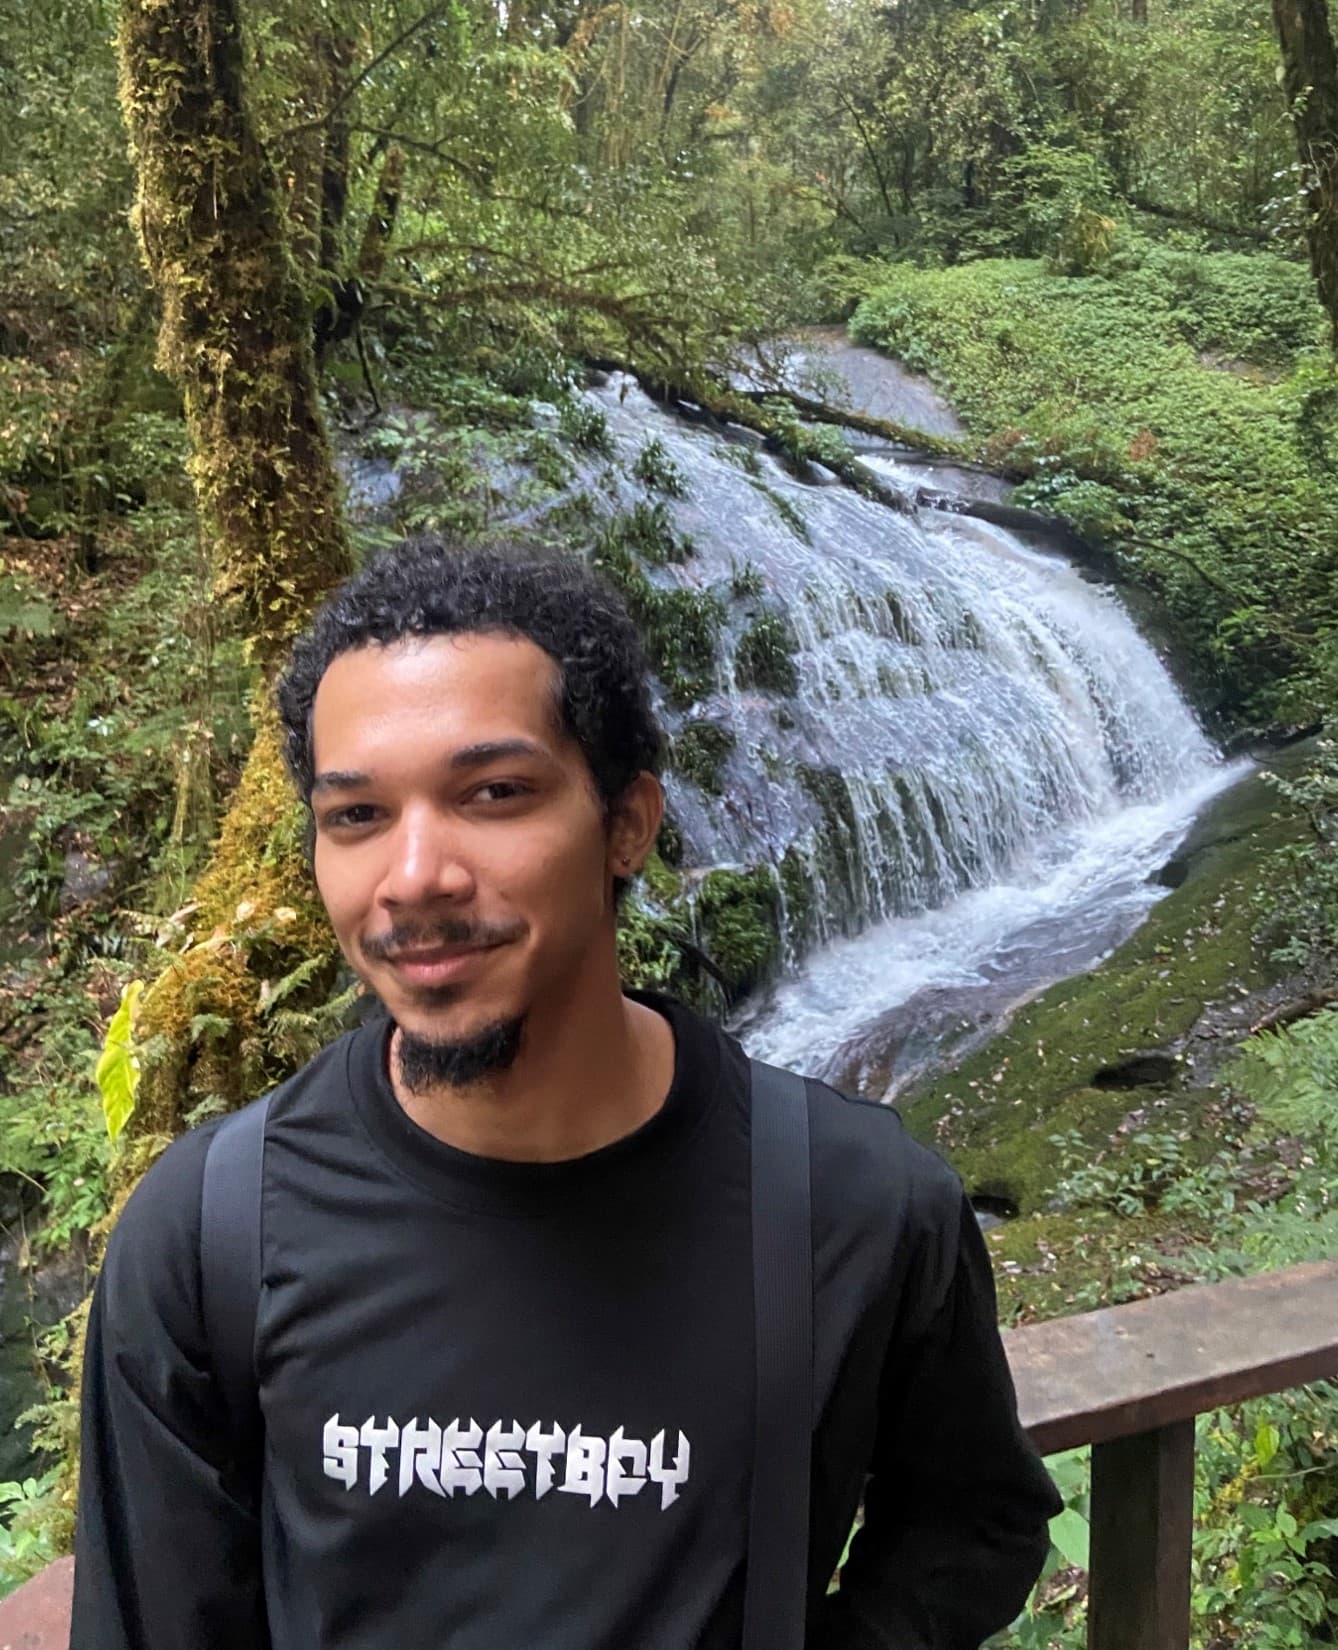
[
  {"x": 1072, "y": 1535},
  {"x": 1266, "y": 1441},
  {"x": 118, "y": 1065}
]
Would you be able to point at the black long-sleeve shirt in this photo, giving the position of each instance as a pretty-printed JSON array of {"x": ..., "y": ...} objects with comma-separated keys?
[{"x": 509, "y": 1406}]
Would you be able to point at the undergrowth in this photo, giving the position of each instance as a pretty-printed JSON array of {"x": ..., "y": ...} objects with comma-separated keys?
[{"x": 1176, "y": 406}]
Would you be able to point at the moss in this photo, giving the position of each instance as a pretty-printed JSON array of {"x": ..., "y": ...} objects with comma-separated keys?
[
  {"x": 765, "y": 655},
  {"x": 994, "y": 1115},
  {"x": 1052, "y": 1265},
  {"x": 699, "y": 752},
  {"x": 681, "y": 628},
  {"x": 737, "y": 916},
  {"x": 801, "y": 912},
  {"x": 202, "y": 1024},
  {"x": 236, "y": 336},
  {"x": 837, "y": 847}
]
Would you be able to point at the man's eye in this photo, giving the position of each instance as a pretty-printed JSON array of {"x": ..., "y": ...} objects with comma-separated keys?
[
  {"x": 501, "y": 790},
  {"x": 357, "y": 813}
]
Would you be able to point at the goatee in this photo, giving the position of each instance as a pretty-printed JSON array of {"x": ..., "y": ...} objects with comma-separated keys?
[{"x": 426, "y": 1063}]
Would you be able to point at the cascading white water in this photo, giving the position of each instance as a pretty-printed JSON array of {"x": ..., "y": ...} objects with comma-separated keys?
[{"x": 981, "y": 747}]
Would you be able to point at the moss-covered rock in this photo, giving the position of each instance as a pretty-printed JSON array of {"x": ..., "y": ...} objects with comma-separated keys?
[
  {"x": 680, "y": 627},
  {"x": 765, "y": 657},
  {"x": 699, "y": 752},
  {"x": 737, "y": 916},
  {"x": 801, "y": 911},
  {"x": 995, "y": 1114},
  {"x": 837, "y": 849}
]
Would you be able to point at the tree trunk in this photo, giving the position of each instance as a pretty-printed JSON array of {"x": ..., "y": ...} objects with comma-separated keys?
[
  {"x": 235, "y": 335},
  {"x": 236, "y": 339},
  {"x": 1310, "y": 80},
  {"x": 341, "y": 315}
]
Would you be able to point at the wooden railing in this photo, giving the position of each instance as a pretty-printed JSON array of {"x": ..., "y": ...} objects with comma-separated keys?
[{"x": 1128, "y": 1380}]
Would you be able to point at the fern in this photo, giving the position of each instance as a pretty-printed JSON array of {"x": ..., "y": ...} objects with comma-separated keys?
[{"x": 1291, "y": 1075}]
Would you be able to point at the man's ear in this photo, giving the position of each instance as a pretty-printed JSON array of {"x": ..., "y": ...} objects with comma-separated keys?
[{"x": 634, "y": 823}]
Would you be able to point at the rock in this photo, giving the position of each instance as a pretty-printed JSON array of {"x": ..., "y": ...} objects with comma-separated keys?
[{"x": 86, "y": 879}]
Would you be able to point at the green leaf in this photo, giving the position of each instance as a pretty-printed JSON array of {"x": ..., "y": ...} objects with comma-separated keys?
[
  {"x": 1266, "y": 1441},
  {"x": 117, "y": 1070},
  {"x": 1072, "y": 1535}
]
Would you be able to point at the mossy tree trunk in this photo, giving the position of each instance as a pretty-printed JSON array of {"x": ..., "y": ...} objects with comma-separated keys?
[
  {"x": 1310, "y": 80},
  {"x": 236, "y": 327},
  {"x": 236, "y": 338}
]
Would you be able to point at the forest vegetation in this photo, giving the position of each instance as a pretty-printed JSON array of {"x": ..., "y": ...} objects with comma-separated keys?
[{"x": 247, "y": 242}]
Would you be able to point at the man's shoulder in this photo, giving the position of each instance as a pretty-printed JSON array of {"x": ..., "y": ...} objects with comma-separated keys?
[
  {"x": 867, "y": 1165},
  {"x": 163, "y": 1211}
]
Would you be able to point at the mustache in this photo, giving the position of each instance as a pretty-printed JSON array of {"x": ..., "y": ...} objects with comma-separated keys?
[{"x": 425, "y": 936}]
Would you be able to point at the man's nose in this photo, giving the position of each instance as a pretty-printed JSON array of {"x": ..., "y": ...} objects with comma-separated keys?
[{"x": 426, "y": 862}]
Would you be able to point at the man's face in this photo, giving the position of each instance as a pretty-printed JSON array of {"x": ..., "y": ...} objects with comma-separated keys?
[{"x": 461, "y": 851}]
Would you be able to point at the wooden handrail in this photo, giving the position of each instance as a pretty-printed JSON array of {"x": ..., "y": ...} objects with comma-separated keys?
[
  {"x": 1130, "y": 1369},
  {"x": 1128, "y": 1380}
]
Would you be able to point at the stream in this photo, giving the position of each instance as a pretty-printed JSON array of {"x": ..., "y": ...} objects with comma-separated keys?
[{"x": 1005, "y": 761}]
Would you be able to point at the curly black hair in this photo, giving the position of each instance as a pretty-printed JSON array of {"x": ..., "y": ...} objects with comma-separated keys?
[{"x": 429, "y": 587}]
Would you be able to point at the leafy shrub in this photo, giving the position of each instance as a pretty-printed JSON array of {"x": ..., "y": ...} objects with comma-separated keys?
[
  {"x": 1215, "y": 489},
  {"x": 1299, "y": 896}
]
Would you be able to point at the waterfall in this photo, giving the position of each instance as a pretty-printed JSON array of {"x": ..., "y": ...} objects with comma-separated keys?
[
  {"x": 953, "y": 713},
  {"x": 951, "y": 758},
  {"x": 963, "y": 769}
]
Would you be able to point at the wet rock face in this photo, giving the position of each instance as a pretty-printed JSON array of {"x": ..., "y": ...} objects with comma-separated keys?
[
  {"x": 87, "y": 879},
  {"x": 929, "y": 1030}
]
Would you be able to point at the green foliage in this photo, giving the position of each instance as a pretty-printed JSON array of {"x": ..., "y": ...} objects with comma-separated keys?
[
  {"x": 1299, "y": 900},
  {"x": 736, "y": 915},
  {"x": 1152, "y": 1168},
  {"x": 681, "y": 627},
  {"x": 1064, "y": 200},
  {"x": 583, "y": 424},
  {"x": 657, "y": 472},
  {"x": 1292, "y": 1077},
  {"x": 1200, "y": 479},
  {"x": 648, "y": 531},
  {"x": 746, "y": 581},
  {"x": 699, "y": 751},
  {"x": 117, "y": 1072},
  {"x": 26, "y": 1544},
  {"x": 765, "y": 655}
]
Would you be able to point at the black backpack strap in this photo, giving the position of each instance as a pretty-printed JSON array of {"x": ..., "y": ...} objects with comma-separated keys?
[
  {"x": 776, "y": 1593},
  {"x": 230, "y": 1274}
]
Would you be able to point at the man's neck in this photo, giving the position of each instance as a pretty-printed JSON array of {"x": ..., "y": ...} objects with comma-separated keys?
[{"x": 582, "y": 1080}]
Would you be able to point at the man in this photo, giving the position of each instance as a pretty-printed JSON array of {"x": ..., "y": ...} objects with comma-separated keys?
[{"x": 504, "y": 1350}]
